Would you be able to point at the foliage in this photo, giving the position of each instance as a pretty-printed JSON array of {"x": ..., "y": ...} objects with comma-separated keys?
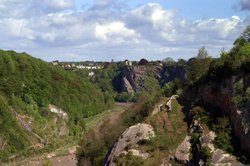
[
  {"x": 47, "y": 163},
  {"x": 28, "y": 85},
  {"x": 129, "y": 160},
  {"x": 15, "y": 140},
  {"x": 198, "y": 68},
  {"x": 126, "y": 97},
  {"x": 206, "y": 154},
  {"x": 97, "y": 142},
  {"x": 104, "y": 80},
  {"x": 202, "y": 53},
  {"x": 172, "y": 87},
  {"x": 224, "y": 134}
]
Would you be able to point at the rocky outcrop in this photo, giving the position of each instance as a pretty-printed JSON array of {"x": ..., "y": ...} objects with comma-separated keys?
[
  {"x": 59, "y": 112},
  {"x": 128, "y": 142},
  {"x": 126, "y": 86},
  {"x": 219, "y": 157},
  {"x": 137, "y": 153},
  {"x": 182, "y": 153},
  {"x": 131, "y": 79},
  {"x": 207, "y": 140},
  {"x": 220, "y": 95},
  {"x": 169, "y": 103}
]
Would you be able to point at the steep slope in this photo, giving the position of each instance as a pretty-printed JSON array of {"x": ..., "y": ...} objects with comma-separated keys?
[
  {"x": 40, "y": 103},
  {"x": 139, "y": 136},
  {"x": 138, "y": 78},
  {"x": 223, "y": 92}
]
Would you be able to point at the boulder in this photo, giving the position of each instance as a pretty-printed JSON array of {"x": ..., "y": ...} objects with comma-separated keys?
[
  {"x": 128, "y": 140},
  {"x": 182, "y": 153}
]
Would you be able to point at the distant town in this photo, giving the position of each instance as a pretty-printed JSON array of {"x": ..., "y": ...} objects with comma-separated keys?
[{"x": 91, "y": 66}]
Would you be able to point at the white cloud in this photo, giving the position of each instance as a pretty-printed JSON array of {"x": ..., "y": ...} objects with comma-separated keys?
[
  {"x": 59, "y": 4},
  {"x": 150, "y": 31},
  {"x": 113, "y": 30}
]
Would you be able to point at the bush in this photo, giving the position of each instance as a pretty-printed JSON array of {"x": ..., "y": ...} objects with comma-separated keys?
[
  {"x": 206, "y": 154},
  {"x": 223, "y": 131}
]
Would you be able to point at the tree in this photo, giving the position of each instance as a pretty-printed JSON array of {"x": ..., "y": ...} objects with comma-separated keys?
[
  {"x": 244, "y": 38},
  {"x": 202, "y": 53},
  {"x": 168, "y": 60},
  {"x": 143, "y": 62}
]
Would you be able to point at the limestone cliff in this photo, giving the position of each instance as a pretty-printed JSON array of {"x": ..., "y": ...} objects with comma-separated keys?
[
  {"x": 133, "y": 78},
  {"x": 224, "y": 96},
  {"x": 128, "y": 142}
]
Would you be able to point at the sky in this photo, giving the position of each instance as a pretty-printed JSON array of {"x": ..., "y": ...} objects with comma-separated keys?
[{"x": 102, "y": 30}]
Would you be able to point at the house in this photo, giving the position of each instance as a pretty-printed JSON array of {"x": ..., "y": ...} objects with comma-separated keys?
[
  {"x": 91, "y": 73},
  {"x": 128, "y": 63},
  {"x": 55, "y": 62}
]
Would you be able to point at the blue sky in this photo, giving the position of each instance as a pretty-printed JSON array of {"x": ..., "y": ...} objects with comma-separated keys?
[
  {"x": 76, "y": 30},
  {"x": 191, "y": 9}
]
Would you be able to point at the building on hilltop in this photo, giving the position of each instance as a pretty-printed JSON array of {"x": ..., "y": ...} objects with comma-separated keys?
[{"x": 56, "y": 62}]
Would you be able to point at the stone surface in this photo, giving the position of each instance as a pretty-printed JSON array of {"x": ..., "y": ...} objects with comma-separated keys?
[
  {"x": 130, "y": 138},
  {"x": 207, "y": 140},
  {"x": 182, "y": 153},
  {"x": 219, "y": 157},
  {"x": 127, "y": 86},
  {"x": 169, "y": 103},
  {"x": 138, "y": 153}
]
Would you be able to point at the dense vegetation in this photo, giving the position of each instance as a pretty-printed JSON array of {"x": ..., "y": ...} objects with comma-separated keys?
[
  {"x": 213, "y": 78},
  {"x": 98, "y": 141},
  {"x": 28, "y": 85}
]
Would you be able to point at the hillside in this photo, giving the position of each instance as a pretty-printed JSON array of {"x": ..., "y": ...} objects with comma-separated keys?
[
  {"x": 41, "y": 105},
  {"x": 188, "y": 112},
  {"x": 207, "y": 124},
  {"x": 223, "y": 93}
]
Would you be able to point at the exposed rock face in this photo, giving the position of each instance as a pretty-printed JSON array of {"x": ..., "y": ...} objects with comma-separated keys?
[
  {"x": 221, "y": 95},
  {"x": 138, "y": 153},
  {"x": 169, "y": 103},
  {"x": 59, "y": 112},
  {"x": 131, "y": 79},
  {"x": 207, "y": 140},
  {"x": 127, "y": 86},
  {"x": 128, "y": 140},
  {"x": 182, "y": 153},
  {"x": 196, "y": 127},
  {"x": 219, "y": 157},
  {"x": 24, "y": 121},
  {"x": 60, "y": 120}
]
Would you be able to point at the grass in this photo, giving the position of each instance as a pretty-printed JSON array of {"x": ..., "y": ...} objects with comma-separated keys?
[
  {"x": 94, "y": 120},
  {"x": 170, "y": 131},
  {"x": 61, "y": 146}
]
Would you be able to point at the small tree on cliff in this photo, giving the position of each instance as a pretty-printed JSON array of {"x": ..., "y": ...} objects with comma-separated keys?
[{"x": 202, "y": 53}]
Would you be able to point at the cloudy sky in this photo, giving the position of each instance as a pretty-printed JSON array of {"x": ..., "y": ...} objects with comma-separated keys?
[{"x": 73, "y": 30}]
